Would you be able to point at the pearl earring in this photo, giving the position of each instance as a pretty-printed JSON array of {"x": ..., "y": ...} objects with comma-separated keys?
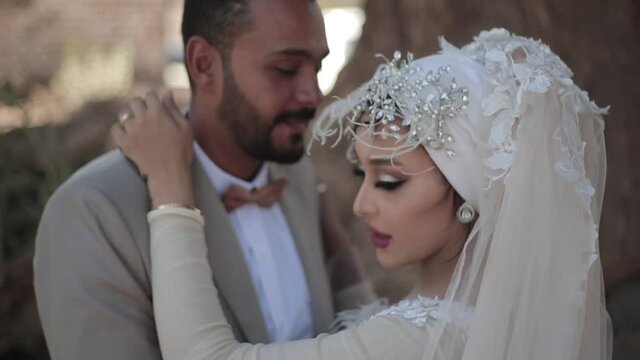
[{"x": 466, "y": 213}]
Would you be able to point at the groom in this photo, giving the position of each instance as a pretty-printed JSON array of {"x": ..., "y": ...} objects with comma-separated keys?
[{"x": 252, "y": 66}]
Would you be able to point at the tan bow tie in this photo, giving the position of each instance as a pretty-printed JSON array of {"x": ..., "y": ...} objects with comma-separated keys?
[{"x": 265, "y": 196}]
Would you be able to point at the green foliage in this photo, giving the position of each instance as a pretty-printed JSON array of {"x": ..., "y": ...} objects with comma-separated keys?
[
  {"x": 32, "y": 165},
  {"x": 9, "y": 95}
]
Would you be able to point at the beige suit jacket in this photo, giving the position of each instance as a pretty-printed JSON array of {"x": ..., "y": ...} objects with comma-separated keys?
[{"x": 92, "y": 264}]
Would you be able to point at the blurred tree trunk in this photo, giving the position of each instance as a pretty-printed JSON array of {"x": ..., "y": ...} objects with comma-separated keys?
[
  {"x": 1, "y": 252},
  {"x": 597, "y": 39}
]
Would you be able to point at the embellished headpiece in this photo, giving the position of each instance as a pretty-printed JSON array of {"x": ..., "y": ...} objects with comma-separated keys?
[{"x": 422, "y": 101}]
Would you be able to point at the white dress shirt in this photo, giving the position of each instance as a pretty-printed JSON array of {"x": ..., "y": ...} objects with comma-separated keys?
[{"x": 271, "y": 256}]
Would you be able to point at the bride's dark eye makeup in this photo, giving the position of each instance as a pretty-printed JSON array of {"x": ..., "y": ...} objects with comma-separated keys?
[
  {"x": 384, "y": 181},
  {"x": 388, "y": 182}
]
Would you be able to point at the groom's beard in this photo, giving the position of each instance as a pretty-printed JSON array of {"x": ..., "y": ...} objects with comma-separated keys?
[{"x": 253, "y": 132}]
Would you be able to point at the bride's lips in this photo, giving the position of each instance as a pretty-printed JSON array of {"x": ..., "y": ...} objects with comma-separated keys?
[{"x": 380, "y": 240}]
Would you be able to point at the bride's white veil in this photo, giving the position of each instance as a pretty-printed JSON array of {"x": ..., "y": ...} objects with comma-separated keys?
[{"x": 528, "y": 155}]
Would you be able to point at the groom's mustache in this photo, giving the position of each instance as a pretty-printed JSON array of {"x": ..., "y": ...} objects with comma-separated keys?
[{"x": 294, "y": 116}]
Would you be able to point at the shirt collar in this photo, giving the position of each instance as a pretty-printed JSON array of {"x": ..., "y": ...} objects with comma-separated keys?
[{"x": 222, "y": 180}]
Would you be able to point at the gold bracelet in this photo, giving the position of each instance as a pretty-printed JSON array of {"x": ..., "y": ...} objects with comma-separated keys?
[{"x": 177, "y": 206}]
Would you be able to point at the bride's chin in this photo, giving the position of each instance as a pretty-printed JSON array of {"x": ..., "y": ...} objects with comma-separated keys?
[{"x": 388, "y": 261}]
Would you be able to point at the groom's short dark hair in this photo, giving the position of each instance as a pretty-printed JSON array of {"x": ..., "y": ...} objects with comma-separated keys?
[{"x": 217, "y": 21}]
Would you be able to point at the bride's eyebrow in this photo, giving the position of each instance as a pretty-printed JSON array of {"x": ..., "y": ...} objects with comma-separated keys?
[{"x": 383, "y": 160}]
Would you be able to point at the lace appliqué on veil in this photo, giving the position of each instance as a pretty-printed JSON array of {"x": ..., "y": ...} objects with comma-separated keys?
[
  {"x": 522, "y": 65},
  {"x": 513, "y": 77}
]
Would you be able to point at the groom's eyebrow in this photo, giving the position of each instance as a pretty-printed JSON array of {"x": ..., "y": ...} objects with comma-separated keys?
[{"x": 302, "y": 53}]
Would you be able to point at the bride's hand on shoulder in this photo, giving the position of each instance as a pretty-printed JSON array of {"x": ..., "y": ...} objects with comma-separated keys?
[{"x": 159, "y": 140}]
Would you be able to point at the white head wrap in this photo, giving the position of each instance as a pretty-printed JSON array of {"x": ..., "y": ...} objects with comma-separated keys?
[
  {"x": 520, "y": 142},
  {"x": 464, "y": 170}
]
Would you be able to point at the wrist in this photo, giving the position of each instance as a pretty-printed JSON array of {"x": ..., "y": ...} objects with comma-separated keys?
[
  {"x": 171, "y": 190},
  {"x": 177, "y": 206}
]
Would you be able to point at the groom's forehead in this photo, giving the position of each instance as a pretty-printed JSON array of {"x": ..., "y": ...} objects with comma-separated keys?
[{"x": 287, "y": 24}]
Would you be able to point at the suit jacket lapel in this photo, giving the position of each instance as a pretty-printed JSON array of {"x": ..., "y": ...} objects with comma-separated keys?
[
  {"x": 230, "y": 272},
  {"x": 305, "y": 231}
]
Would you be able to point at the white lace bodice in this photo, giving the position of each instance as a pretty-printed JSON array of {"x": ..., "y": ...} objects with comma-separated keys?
[{"x": 416, "y": 310}]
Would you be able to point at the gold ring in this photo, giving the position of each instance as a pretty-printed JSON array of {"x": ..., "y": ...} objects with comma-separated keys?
[{"x": 123, "y": 117}]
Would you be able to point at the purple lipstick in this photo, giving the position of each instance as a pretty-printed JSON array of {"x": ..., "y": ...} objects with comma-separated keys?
[{"x": 380, "y": 240}]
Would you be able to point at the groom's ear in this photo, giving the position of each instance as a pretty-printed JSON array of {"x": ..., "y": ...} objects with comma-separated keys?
[{"x": 204, "y": 65}]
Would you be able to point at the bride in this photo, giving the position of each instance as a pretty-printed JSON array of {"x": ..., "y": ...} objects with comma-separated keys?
[{"x": 485, "y": 164}]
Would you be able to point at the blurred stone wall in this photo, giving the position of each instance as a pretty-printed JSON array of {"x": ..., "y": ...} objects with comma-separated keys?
[{"x": 36, "y": 33}]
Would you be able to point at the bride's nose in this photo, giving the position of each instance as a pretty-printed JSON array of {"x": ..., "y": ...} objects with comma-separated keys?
[{"x": 363, "y": 205}]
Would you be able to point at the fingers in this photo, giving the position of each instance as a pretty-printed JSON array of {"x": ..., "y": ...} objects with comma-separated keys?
[
  {"x": 150, "y": 108},
  {"x": 150, "y": 115},
  {"x": 168, "y": 101},
  {"x": 153, "y": 102},
  {"x": 118, "y": 134},
  {"x": 151, "y": 137},
  {"x": 166, "y": 97},
  {"x": 127, "y": 123},
  {"x": 146, "y": 108},
  {"x": 138, "y": 107}
]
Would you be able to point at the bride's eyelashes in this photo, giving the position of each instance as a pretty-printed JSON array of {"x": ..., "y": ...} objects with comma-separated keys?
[
  {"x": 384, "y": 181},
  {"x": 358, "y": 172},
  {"x": 388, "y": 182}
]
